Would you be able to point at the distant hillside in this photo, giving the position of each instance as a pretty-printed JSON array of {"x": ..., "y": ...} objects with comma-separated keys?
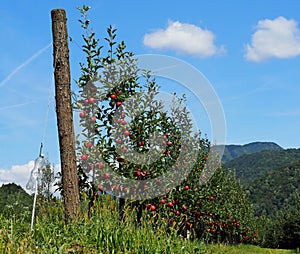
[
  {"x": 276, "y": 190},
  {"x": 234, "y": 151},
  {"x": 14, "y": 200},
  {"x": 249, "y": 167}
]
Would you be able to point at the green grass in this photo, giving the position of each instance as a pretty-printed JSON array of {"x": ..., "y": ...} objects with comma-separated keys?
[
  {"x": 102, "y": 233},
  {"x": 242, "y": 248}
]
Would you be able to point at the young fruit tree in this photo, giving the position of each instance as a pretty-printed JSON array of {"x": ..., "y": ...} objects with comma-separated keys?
[{"x": 130, "y": 143}]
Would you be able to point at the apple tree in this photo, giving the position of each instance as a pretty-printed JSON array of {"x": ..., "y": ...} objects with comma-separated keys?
[{"x": 130, "y": 145}]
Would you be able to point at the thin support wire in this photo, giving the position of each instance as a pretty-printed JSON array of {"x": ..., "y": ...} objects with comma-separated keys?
[{"x": 47, "y": 111}]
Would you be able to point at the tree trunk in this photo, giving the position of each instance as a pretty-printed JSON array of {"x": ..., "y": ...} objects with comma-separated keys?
[{"x": 65, "y": 114}]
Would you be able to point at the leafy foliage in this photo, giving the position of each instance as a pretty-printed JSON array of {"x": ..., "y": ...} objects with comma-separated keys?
[
  {"x": 284, "y": 231},
  {"x": 46, "y": 180},
  {"x": 218, "y": 211}
]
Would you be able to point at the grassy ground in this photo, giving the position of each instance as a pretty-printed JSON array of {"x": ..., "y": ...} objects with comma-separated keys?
[{"x": 241, "y": 248}]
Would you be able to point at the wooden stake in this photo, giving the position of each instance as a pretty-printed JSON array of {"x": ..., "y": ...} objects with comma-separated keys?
[{"x": 65, "y": 114}]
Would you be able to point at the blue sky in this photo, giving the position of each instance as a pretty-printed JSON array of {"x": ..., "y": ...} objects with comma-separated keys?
[{"x": 248, "y": 50}]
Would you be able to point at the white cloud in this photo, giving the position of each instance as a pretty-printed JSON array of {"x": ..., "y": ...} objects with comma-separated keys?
[
  {"x": 277, "y": 38},
  {"x": 184, "y": 38},
  {"x": 20, "y": 174}
]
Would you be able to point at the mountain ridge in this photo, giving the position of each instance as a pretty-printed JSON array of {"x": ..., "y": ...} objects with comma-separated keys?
[{"x": 234, "y": 151}]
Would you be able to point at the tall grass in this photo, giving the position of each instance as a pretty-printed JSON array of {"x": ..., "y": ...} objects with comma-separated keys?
[{"x": 101, "y": 233}]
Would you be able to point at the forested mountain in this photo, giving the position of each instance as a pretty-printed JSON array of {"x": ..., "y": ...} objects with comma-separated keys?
[
  {"x": 276, "y": 190},
  {"x": 249, "y": 167},
  {"x": 234, "y": 151},
  {"x": 272, "y": 178}
]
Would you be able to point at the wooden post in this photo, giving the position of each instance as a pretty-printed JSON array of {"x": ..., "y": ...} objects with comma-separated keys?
[{"x": 65, "y": 114}]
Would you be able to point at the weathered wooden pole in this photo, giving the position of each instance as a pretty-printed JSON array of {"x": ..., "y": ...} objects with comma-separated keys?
[{"x": 64, "y": 114}]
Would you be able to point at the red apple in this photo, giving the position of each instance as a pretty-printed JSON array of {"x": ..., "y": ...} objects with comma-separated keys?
[
  {"x": 119, "y": 141},
  {"x": 100, "y": 165},
  {"x": 92, "y": 100},
  {"x": 169, "y": 143},
  {"x": 118, "y": 103},
  {"x": 84, "y": 157},
  {"x": 186, "y": 187},
  {"x": 89, "y": 144},
  {"x": 113, "y": 96},
  {"x": 126, "y": 132},
  {"x": 162, "y": 201},
  {"x": 170, "y": 204},
  {"x": 93, "y": 119},
  {"x": 152, "y": 208},
  {"x": 82, "y": 114}
]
